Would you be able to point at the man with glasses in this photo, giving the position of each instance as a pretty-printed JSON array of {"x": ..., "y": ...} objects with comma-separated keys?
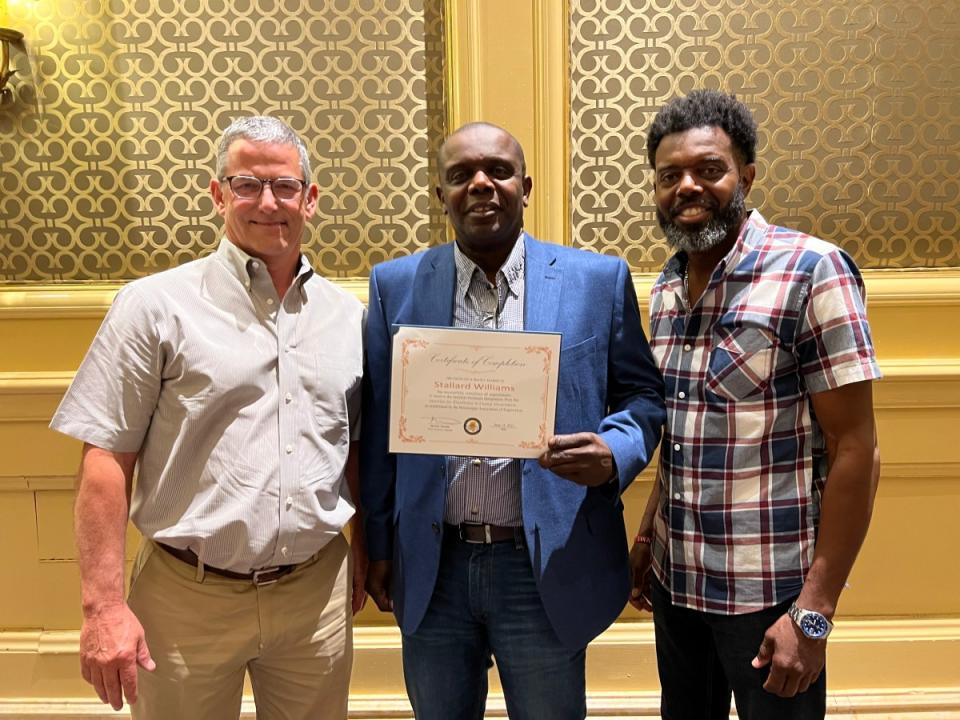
[{"x": 232, "y": 383}]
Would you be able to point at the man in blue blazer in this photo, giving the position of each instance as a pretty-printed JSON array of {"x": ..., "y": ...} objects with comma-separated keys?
[{"x": 522, "y": 561}]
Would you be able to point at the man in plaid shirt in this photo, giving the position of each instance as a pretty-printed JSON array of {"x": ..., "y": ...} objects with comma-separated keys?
[{"x": 768, "y": 466}]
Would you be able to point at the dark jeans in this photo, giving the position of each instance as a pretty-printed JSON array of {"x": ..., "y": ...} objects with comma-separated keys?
[
  {"x": 486, "y": 603},
  {"x": 702, "y": 657}
]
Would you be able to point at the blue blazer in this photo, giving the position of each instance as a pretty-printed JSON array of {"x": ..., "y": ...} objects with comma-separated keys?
[{"x": 608, "y": 384}]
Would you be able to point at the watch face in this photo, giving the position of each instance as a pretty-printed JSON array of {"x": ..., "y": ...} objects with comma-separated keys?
[{"x": 814, "y": 625}]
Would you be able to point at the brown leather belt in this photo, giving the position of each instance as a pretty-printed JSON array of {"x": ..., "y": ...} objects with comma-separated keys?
[
  {"x": 481, "y": 533},
  {"x": 266, "y": 576}
]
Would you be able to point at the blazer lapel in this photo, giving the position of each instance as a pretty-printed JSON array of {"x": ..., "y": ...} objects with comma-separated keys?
[
  {"x": 542, "y": 283},
  {"x": 433, "y": 288}
]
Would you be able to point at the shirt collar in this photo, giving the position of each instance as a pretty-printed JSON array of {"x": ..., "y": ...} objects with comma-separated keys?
[
  {"x": 511, "y": 271},
  {"x": 245, "y": 267}
]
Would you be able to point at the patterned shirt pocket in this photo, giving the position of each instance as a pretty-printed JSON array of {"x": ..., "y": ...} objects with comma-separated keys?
[{"x": 741, "y": 363}]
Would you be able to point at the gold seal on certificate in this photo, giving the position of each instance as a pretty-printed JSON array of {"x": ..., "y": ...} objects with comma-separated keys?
[{"x": 457, "y": 391}]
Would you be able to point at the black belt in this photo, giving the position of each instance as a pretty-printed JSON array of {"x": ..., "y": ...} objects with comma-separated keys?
[
  {"x": 266, "y": 576},
  {"x": 481, "y": 533}
]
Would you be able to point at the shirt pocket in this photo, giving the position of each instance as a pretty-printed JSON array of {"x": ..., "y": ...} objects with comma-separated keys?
[{"x": 741, "y": 363}]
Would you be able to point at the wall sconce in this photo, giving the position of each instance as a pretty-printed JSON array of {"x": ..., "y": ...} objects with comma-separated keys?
[{"x": 7, "y": 36}]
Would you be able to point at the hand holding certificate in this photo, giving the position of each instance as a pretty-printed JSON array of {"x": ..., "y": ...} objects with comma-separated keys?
[{"x": 488, "y": 393}]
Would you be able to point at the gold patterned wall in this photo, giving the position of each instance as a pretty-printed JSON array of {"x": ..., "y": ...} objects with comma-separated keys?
[
  {"x": 107, "y": 140},
  {"x": 857, "y": 102}
]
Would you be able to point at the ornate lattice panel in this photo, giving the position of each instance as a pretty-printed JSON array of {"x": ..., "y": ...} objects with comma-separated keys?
[
  {"x": 107, "y": 142},
  {"x": 858, "y": 105}
]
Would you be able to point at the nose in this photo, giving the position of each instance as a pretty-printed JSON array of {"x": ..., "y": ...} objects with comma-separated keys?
[
  {"x": 265, "y": 200},
  {"x": 688, "y": 183},
  {"x": 480, "y": 182}
]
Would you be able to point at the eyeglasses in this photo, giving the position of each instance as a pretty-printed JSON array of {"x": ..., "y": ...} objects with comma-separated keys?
[{"x": 249, "y": 188}]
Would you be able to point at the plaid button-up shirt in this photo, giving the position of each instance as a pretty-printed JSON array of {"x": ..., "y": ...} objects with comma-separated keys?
[{"x": 743, "y": 460}]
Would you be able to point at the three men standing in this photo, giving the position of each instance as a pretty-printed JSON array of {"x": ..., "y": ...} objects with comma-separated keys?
[
  {"x": 767, "y": 469},
  {"x": 222, "y": 379},
  {"x": 523, "y": 561},
  {"x": 232, "y": 382}
]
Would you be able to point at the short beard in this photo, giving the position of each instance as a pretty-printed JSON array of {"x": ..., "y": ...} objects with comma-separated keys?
[{"x": 710, "y": 235}]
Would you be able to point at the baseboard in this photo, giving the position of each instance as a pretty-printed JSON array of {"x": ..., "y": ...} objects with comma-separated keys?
[{"x": 896, "y": 704}]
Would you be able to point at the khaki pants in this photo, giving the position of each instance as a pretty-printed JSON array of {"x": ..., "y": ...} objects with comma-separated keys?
[{"x": 205, "y": 631}]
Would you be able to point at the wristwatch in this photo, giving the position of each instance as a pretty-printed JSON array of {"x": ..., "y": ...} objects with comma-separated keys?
[{"x": 811, "y": 623}]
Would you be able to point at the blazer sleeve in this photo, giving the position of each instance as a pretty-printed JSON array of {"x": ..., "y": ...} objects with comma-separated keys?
[
  {"x": 635, "y": 402},
  {"x": 377, "y": 465}
]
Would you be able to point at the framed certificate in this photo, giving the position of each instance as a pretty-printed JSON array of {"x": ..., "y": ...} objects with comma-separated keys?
[{"x": 489, "y": 393}]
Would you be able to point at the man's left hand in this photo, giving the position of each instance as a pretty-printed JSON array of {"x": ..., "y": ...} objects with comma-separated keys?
[
  {"x": 583, "y": 458},
  {"x": 795, "y": 660}
]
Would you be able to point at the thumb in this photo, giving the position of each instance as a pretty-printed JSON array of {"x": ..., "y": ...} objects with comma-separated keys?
[
  {"x": 143, "y": 656},
  {"x": 764, "y": 654}
]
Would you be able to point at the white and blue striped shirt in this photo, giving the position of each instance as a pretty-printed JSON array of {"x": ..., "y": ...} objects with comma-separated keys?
[{"x": 486, "y": 490}]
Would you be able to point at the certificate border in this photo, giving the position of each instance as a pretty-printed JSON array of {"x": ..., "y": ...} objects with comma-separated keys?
[{"x": 409, "y": 345}]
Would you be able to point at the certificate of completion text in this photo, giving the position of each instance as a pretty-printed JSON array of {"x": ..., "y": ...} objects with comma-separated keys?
[{"x": 489, "y": 393}]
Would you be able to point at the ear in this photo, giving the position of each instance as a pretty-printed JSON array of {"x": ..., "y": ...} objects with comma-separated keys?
[
  {"x": 747, "y": 173},
  {"x": 310, "y": 200},
  {"x": 527, "y": 188},
  {"x": 440, "y": 198},
  {"x": 216, "y": 191}
]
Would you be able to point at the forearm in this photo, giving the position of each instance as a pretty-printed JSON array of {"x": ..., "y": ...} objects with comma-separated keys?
[
  {"x": 352, "y": 473},
  {"x": 100, "y": 524},
  {"x": 650, "y": 511},
  {"x": 845, "y": 513},
  {"x": 632, "y": 429}
]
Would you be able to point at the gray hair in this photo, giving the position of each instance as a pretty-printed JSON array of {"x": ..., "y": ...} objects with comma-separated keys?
[{"x": 261, "y": 129}]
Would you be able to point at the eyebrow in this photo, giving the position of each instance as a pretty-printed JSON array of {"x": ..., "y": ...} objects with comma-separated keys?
[
  {"x": 712, "y": 157},
  {"x": 485, "y": 162}
]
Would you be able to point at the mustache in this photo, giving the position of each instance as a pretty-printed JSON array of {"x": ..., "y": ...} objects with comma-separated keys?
[{"x": 681, "y": 205}]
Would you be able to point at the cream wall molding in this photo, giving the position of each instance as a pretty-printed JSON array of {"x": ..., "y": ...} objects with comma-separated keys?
[
  {"x": 464, "y": 79},
  {"x": 551, "y": 120},
  {"x": 34, "y": 383},
  {"x": 923, "y": 384},
  {"x": 919, "y": 470},
  {"x": 640, "y": 488},
  {"x": 940, "y": 374},
  {"x": 620, "y": 634},
  {"x": 56, "y": 301},
  {"x": 621, "y": 672},
  {"x": 507, "y": 63},
  {"x": 22, "y": 483},
  {"x": 912, "y": 288},
  {"x": 902, "y": 288},
  {"x": 92, "y": 300}
]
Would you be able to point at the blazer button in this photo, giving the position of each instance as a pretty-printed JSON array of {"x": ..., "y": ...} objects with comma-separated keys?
[{"x": 436, "y": 528}]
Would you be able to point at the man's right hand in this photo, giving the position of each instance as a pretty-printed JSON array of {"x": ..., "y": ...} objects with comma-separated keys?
[
  {"x": 112, "y": 644},
  {"x": 640, "y": 557},
  {"x": 379, "y": 580}
]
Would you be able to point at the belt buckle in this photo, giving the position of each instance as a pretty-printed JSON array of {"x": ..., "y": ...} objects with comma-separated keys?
[
  {"x": 487, "y": 539},
  {"x": 260, "y": 577}
]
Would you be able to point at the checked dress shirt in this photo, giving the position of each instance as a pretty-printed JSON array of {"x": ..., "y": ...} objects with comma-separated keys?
[{"x": 743, "y": 461}]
